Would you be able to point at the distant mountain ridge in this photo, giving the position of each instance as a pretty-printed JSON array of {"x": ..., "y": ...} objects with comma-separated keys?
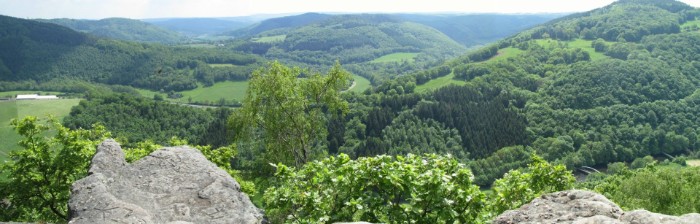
[
  {"x": 121, "y": 29},
  {"x": 200, "y": 26},
  {"x": 466, "y": 29},
  {"x": 283, "y": 23}
]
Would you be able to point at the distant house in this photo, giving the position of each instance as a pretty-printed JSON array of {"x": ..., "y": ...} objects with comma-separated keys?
[{"x": 36, "y": 97}]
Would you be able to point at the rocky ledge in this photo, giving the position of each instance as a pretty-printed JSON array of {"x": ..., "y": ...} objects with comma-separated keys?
[
  {"x": 171, "y": 185},
  {"x": 579, "y": 207}
]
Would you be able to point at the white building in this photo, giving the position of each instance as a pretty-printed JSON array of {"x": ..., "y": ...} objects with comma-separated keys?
[{"x": 36, "y": 97}]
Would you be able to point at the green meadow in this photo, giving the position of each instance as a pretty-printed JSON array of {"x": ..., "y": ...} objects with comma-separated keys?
[
  {"x": 396, "y": 57},
  {"x": 269, "y": 39},
  {"x": 18, "y": 109}
]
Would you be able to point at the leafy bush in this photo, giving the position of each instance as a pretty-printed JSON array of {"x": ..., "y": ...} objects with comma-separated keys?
[
  {"x": 422, "y": 189},
  {"x": 404, "y": 189}
]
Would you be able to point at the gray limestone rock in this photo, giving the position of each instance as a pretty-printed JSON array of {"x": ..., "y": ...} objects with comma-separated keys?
[
  {"x": 585, "y": 207},
  {"x": 171, "y": 185}
]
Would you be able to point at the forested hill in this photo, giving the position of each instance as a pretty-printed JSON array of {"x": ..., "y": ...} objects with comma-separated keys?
[
  {"x": 37, "y": 53},
  {"x": 121, "y": 29},
  {"x": 203, "y": 26},
  {"x": 477, "y": 29},
  {"x": 375, "y": 46},
  {"x": 614, "y": 84},
  {"x": 279, "y": 24}
]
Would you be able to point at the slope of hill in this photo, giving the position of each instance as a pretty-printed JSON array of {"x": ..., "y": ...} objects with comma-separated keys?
[
  {"x": 121, "y": 29},
  {"x": 355, "y": 41},
  {"x": 281, "y": 23},
  {"x": 477, "y": 29},
  {"x": 202, "y": 26},
  {"x": 37, "y": 53},
  {"x": 613, "y": 84}
]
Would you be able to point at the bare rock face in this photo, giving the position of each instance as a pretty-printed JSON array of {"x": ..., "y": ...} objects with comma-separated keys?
[
  {"x": 171, "y": 185},
  {"x": 585, "y": 207}
]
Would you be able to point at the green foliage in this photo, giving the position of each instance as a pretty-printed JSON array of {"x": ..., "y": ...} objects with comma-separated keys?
[
  {"x": 40, "y": 175},
  {"x": 58, "y": 54},
  {"x": 422, "y": 189},
  {"x": 664, "y": 189},
  {"x": 127, "y": 115},
  {"x": 517, "y": 188},
  {"x": 402, "y": 189},
  {"x": 289, "y": 111}
]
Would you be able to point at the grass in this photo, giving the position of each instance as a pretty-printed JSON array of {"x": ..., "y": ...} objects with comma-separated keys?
[
  {"x": 693, "y": 162},
  {"x": 585, "y": 45},
  {"x": 439, "y": 82},
  {"x": 12, "y": 94},
  {"x": 690, "y": 24},
  {"x": 396, "y": 57},
  {"x": 270, "y": 39},
  {"x": 221, "y": 65},
  {"x": 361, "y": 84},
  {"x": 228, "y": 90},
  {"x": 505, "y": 53},
  {"x": 18, "y": 109}
]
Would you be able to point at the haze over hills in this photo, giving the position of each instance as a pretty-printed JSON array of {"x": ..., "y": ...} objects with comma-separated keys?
[
  {"x": 203, "y": 26},
  {"x": 478, "y": 29},
  {"x": 121, "y": 29}
]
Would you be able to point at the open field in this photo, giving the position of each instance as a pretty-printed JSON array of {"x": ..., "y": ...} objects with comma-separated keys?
[
  {"x": 361, "y": 84},
  {"x": 693, "y": 162},
  {"x": 396, "y": 57},
  {"x": 504, "y": 54},
  {"x": 439, "y": 82},
  {"x": 228, "y": 90},
  {"x": 12, "y": 94},
  {"x": 18, "y": 109},
  {"x": 221, "y": 65},
  {"x": 269, "y": 39},
  {"x": 690, "y": 25},
  {"x": 585, "y": 45}
]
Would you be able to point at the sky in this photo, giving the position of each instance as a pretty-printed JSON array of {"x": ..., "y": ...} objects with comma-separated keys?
[{"x": 142, "y": 9}]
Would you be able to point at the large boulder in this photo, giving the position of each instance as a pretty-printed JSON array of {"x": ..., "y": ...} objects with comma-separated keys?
[
  {"x": 171, "y": 185},
  {"x": 584, "y": 207}
]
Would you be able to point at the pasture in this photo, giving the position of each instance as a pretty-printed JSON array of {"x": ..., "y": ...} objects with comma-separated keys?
[
  {"x": 439, "y": 82},
  {"x": 361, "y": 84},
  {"x": 18, "y": 109},
  {"x": 269, "y": 39},
  {"x": 396, "y": 57},
  {"x": 229, "y": 90}
]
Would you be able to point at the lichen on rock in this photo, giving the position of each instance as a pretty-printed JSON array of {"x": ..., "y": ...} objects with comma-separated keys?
[{"x": 171, "y": 185}]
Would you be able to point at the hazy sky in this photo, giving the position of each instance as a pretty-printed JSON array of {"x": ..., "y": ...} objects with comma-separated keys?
[{"x": 138, "y": 9}]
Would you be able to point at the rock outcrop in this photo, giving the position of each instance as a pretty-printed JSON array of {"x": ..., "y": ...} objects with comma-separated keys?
[
  {"x": 585, "y": 207},
  {"x": 171, "y": 185}
]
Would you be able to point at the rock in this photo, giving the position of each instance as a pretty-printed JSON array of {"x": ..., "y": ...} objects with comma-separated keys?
[
  {"x": 171, "y": 185},
  {"x": 584, "y": 207}
]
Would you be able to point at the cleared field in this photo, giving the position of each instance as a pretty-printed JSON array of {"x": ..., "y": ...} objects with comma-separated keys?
[
  {"x": 221, "y": 65},
  {"x": 693, "y": 162},
  {"x": 8, "y": 138},
  {"x": 396, "y": 57},
  {"x": 585, "y": 45},
  {"x": 690, "y": 26},
  {"x": 439, "y": 82},
  {"x": 505, "y": 53},
  {"x": 18, "y": 109},
  {"x": 228, "y": 90},
  {"x": 361, "y": 84},
  {"x": 269, "y": 39},
  {"x": 12, "y": 94}
]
